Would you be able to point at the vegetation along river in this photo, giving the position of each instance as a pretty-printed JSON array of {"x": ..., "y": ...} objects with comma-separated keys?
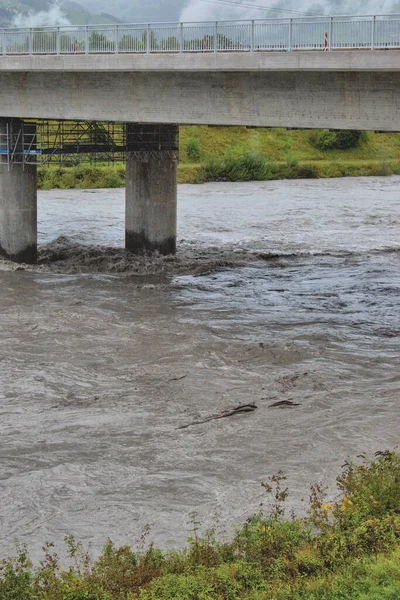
[{"x": 280, "y": 291}]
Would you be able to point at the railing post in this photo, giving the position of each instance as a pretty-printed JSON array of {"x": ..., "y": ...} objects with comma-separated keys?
[
  {"x": 148, "y": 39},
  {"x": 3, "y": 43},
  {"x": 58, "y": 41},
  {"x": 215, "y": 36},
  {"x": 330, "y": 44},
  {"x": 86, "y": 40},
  {"x": 373, "y": 30},
  {"x": 30, "y": 42},
  {"x": 290, "y": 34},
  {"x": 116, "y": 47},
  {"x": 181, "y": 38},
  {"x": 252, "y": 37}
]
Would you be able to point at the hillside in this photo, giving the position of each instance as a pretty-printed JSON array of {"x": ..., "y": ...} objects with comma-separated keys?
[
  {"x": 28, "y": 13},
  {"x": 140, "y": 11},
  {"x": 283, "y": 144}
]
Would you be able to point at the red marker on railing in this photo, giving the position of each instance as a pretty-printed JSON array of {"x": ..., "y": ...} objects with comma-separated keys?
[
  {"x": 326, "y": 43},
  {"x": 205, "y": 44}
]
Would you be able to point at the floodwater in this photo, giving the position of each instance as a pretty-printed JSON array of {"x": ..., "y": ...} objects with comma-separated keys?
[{"x": 280, "y": 291}]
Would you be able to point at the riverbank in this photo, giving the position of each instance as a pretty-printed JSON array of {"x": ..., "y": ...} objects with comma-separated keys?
[
  {"x": 240, "y": 154},
  {"x": 346, "y": 547}
]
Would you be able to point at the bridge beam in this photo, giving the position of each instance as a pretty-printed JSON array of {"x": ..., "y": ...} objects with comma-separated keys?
[
  {"x": 18, "y": 202},
  {"x": 151, "y": 188}
]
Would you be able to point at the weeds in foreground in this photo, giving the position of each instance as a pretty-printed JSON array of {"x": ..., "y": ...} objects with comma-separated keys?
[{"x": 346, "y": 548}]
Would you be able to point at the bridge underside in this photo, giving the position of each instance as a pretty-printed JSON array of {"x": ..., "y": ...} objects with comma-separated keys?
[{"x": 302, "y": 99}]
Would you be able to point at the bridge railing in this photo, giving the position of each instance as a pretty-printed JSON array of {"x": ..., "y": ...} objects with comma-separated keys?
[{"x": 259, "y": 35}]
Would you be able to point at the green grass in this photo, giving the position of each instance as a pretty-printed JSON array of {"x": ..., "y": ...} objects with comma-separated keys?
[
  {"x": 348, "y": 548},
  {"x": 240, "y": 154}
]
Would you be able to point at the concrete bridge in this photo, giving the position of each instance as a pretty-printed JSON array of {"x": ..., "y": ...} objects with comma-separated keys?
[{"x": 305, "y": 80}]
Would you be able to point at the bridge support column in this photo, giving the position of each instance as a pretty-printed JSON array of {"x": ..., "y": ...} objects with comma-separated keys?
[
  {"x": 151, "y": 188},
  {"x": 18, "y": 201}
]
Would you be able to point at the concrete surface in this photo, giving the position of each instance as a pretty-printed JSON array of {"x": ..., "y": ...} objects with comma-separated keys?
[
  {"x": 151, "y": 188},
  {"x": 342, "y": 61},
  {"x": 351, "y": 100},
  {"x": 18, "y": 211}
]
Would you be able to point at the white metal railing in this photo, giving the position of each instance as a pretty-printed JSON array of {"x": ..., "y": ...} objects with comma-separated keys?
[{"x": 374, "y": 32}]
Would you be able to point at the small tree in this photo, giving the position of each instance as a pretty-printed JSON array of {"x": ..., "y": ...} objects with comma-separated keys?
[{"x": 338, "y": 140}]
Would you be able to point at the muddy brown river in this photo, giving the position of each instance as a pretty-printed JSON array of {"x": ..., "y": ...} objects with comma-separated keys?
[{"x": 280, "y": 291}]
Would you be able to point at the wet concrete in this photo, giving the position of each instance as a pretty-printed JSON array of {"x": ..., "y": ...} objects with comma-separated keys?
[{"x": 280, "y": 291}]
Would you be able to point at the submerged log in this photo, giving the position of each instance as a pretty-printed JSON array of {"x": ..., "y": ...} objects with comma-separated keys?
[
  {"x": 283, "y": 403},
  {"x": 230, "y": 412}
]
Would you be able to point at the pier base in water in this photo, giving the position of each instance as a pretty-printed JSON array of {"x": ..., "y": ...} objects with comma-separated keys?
[
  {"x": 151, "y": 188},
  {"x": 18, "y": 205}
]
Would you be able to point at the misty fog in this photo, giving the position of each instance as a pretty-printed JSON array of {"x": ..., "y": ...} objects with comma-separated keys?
[
  {"x": 140, "y": 11},
  {"x": 188, "y": 10},
  {"x": 199, "y": 9}
]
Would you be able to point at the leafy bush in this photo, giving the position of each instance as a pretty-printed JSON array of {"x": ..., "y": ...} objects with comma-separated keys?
[
  {"x": 338, "y": 140},
  {"x": 192, "y": 149},
  {"x": 232, "y": 167},
  {"x": 293, "y": 170},
  {"x": 384, "y": 170},
  {"x": 112, "y": 180},
  {"x": 308, "y": 171}
]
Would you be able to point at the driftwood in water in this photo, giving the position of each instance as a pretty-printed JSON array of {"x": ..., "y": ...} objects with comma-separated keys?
[
  {"x": 230, "y": 412},
  {"x": 177, "y": 378},
  {"x": 283, "y": 403}
]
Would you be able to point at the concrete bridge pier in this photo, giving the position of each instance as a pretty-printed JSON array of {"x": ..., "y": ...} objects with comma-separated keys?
[
  {"x": 18, "y": 202},
  {"x": 151, "y": 187}
]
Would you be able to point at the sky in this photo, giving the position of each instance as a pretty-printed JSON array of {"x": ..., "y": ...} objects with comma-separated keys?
[
  {"x": 201, "y": 10},
  {"x": 139, "y": 11}
]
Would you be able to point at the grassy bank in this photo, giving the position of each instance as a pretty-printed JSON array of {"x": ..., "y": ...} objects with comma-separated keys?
[
  {"x": 240, "y": 154},
  {"x": 348, "y": 548}
]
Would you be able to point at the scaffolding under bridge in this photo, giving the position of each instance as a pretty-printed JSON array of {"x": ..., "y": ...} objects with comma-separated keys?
[{"x": 68, "y": 143}]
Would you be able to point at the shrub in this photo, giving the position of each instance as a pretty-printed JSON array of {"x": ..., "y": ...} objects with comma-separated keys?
[
  {"x": 365, "y": 519},
  {"x": 373, "y": 486},
  {"x": 384, "y": 169},
  {"x": 112, "y": 179},
  {"x": 292, "y": 168},
  {"x": 295, "y": 171},
  {"x": 192, "y": 149},
  {"x": 308, "y": 171},
  {"x": 237, "y": 167},
  {"x": 338, "y": 140},
  {"x": 68, "y": 181}
]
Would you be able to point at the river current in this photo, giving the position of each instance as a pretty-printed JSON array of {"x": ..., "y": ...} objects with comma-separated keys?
[{"x": 280, "y": 291}]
